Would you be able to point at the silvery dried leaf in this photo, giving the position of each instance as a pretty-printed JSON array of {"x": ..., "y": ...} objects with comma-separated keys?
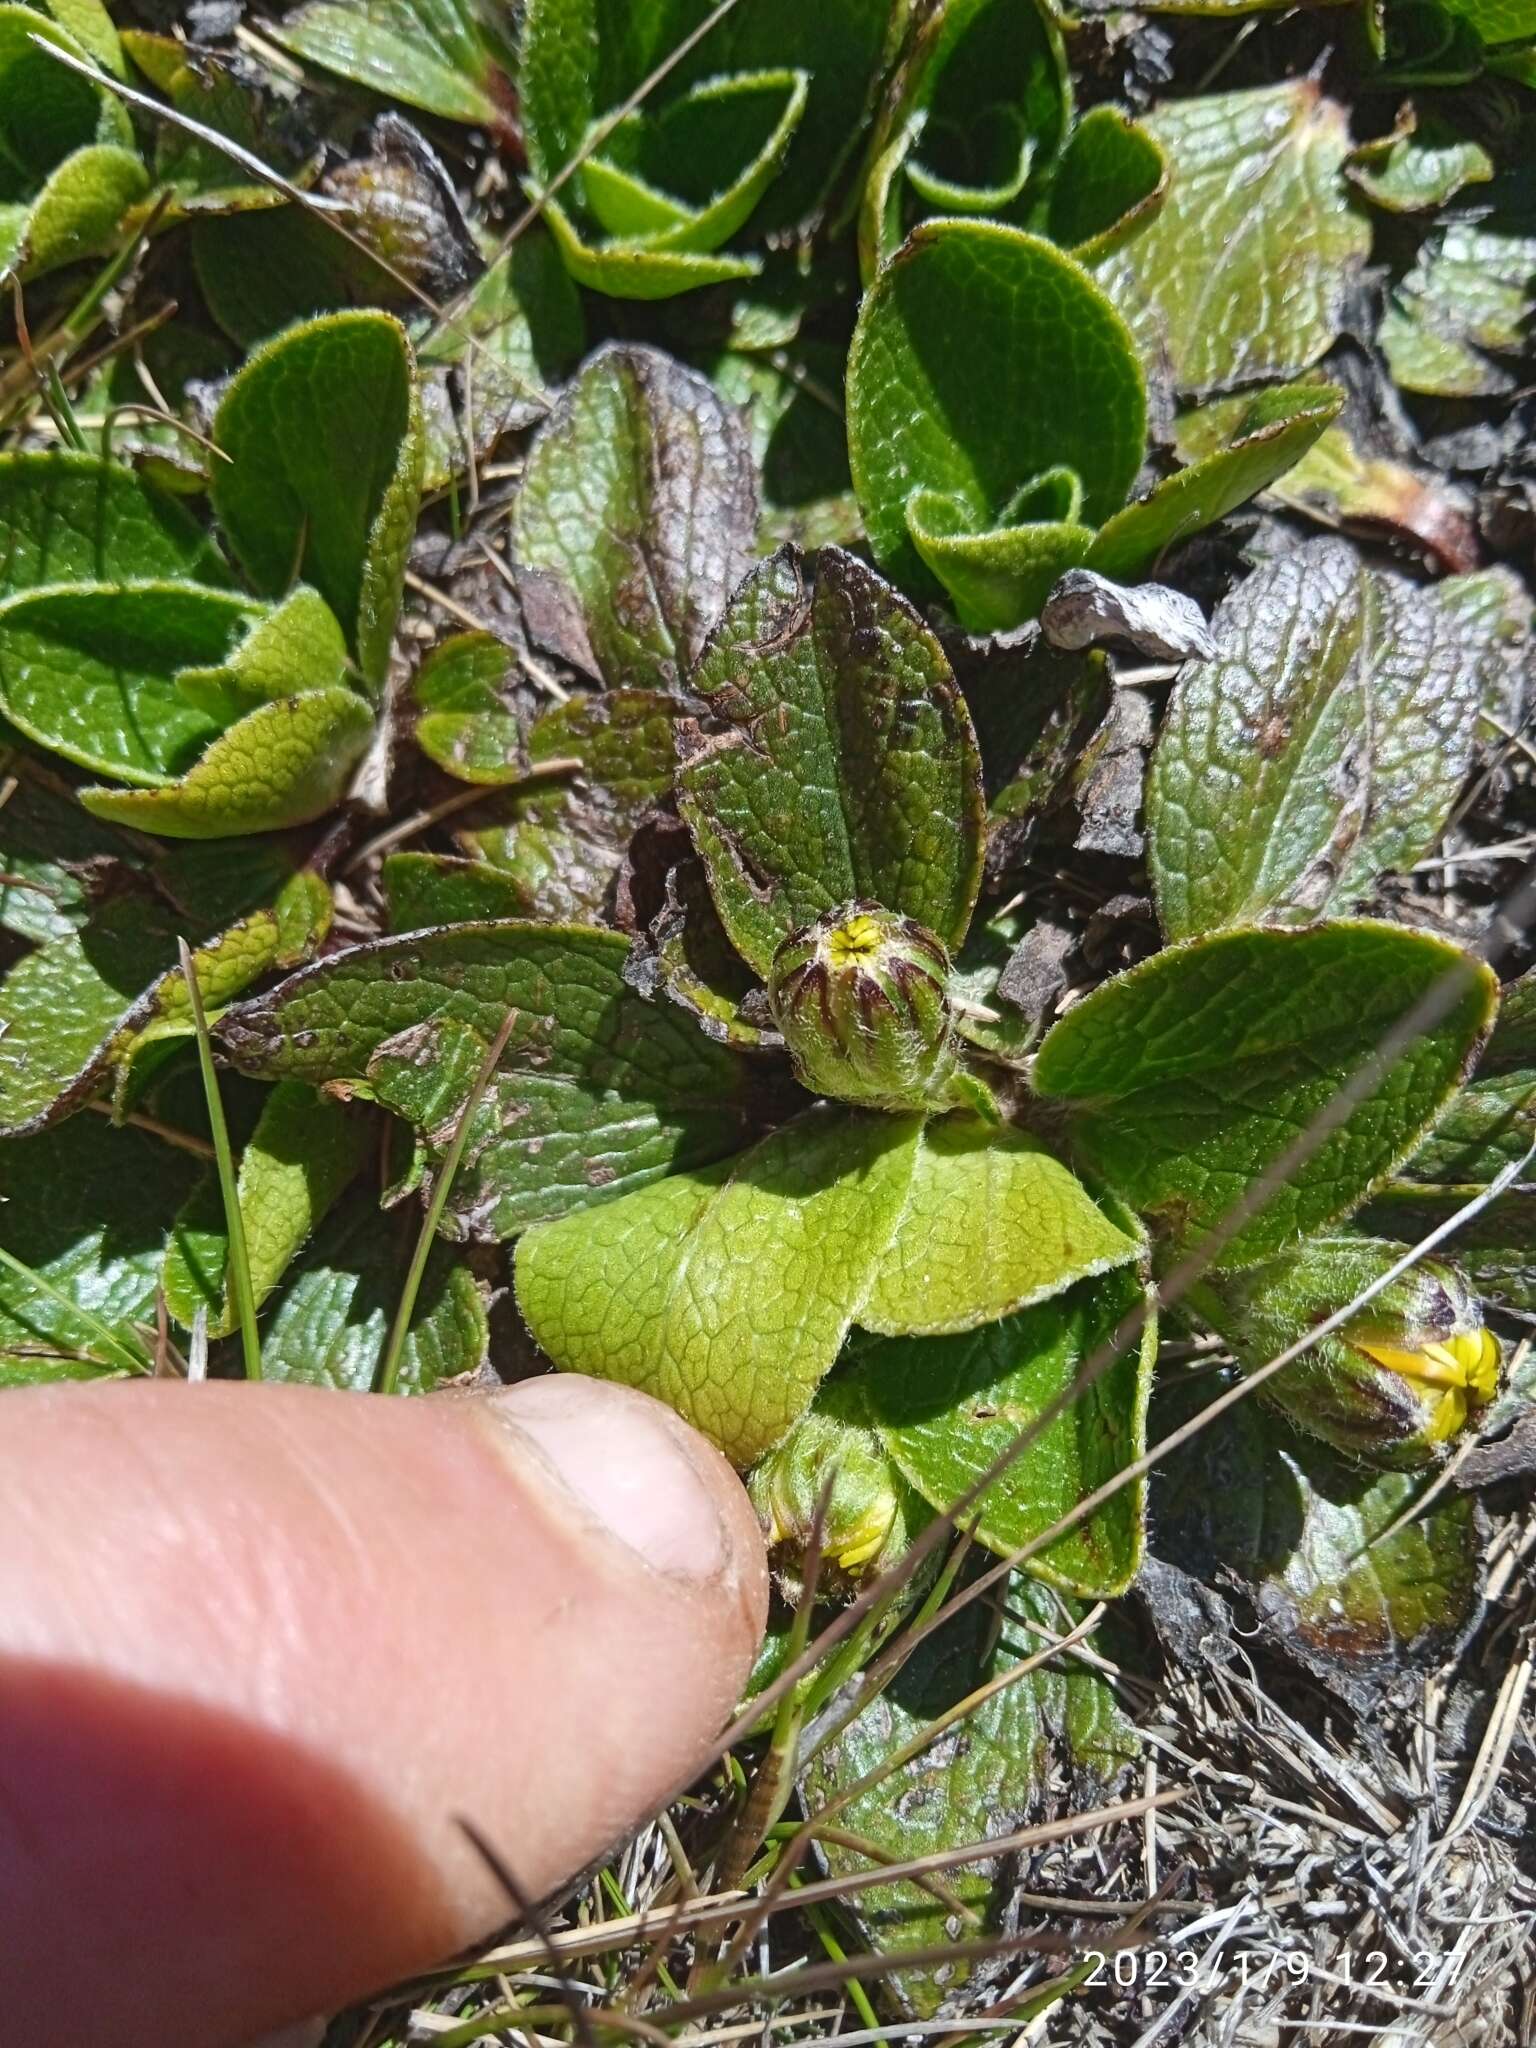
[{"x": 1085, "y": 609}]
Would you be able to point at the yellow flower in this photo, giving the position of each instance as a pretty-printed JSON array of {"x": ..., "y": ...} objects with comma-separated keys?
[{"x": 1459, "y": 1373}]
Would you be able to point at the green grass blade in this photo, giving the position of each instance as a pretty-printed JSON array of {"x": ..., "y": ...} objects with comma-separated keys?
[
  {"x": 238, "y": 1266},
  {"x": 387, "y": 1378}
]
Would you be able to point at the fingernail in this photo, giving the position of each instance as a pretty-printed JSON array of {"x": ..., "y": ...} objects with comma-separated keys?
[{"x": 631, "y": 1466}]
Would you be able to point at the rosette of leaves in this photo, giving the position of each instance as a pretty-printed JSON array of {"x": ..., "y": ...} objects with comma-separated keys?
[
  {"x": 738, "y": 140},
  {"x": 997, "y": 424},
  {"x": 978, "y": 119},
  {"x": 690, "y": 1223},
  {"x": 125, "y": 648},
  {"x": 688, "y": 1220},
  {"x": 69, "y": 165}
]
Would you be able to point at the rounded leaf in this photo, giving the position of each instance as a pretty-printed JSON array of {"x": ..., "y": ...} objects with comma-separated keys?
[{"x": 984, "y": 361}]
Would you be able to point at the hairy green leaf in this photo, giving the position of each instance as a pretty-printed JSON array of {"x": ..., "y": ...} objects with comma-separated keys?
[
  {"x": 1325, "y": 744},
  {"x": 303, "y": 1152},
  {"x": 322, "y": 428},
  {"x": 69, "y": 170},
  {"x": 847, "y": 767},
  {"x": 282, "y": 765},
  {"x": 727, "y": 1293},
  {"x": 87, "y": 1207},
  {"x": 71, "y": 518},
  {"x": 331, "y": 1315},
  {"x": 444, "y": 56},
  {"x": 1244, "y": 272},
  {"x": 425, "y": 889},
  {"x": 597, "y": 1092},
  {"x": 92, "y": 671},
  {"x": 992, "y": 1222},
  {"x": 995, "y": 415},
  {"x": 595, "y": 768},
  {"x": 84, "y": 1003},
  {"x": 947, "y": 1407},
  {"x": 1190, "y": 1076},
  {"x": 636, "y": 517},
  {"x": 1276, "y": 429},
  {"x": 1111, "y": 182}
]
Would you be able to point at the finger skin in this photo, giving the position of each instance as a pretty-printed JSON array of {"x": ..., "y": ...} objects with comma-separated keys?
[{"x": 260, "y": 1647}]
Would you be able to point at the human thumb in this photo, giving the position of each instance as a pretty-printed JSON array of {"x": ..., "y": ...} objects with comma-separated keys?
[{"x": 262, "y": 1649}]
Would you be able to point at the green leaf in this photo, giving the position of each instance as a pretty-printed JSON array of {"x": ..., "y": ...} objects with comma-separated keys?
[
  {"x": 69, "y": 518},
  {"x": 727, "y": 1293},
  {"x": 847, "y": 768},
  {"x": 624, "y": 271},
  {"x": 282, "y": 765},
  {"x": 91, "y": 26},
  {"x": 1053, "y": 1743},
  {"x": 1471, "y": 291},
  {"x": 992, "y": 1222},
  {"x": 444, "y": 56},
  {"x": 87, "y": 1207},
  {"x": 1325, "y": 744},
  {"x": 76, "y": 214},
  {"x": 976, "y": 114},
  {"x": 322, "y": 428},
  {"x": 1420, "y": 166},
  {"x": 1496, "y": 1249},
  {"x": 962, "y": 333},
  {"x": 597, "y": 1092},
  {"x": 1485, "y": 1128},
  {"x": 68, "y": 167},
  {"x": 1495, "y": 22},
  {"x": 303, "y": 1152},
  {"x": 1189, "y": 1076},
  {"x": 946, "y": 1408},
  {"x": 1275, "y": 430},
  {"x": 92, "y": 671},
  {"x": 332, "y": 1314},
  {"x": 51, "y": 853},
  {"x": 202, "y": 178},
  {"x": 84, "y": 1003},
  {"x": 1347, "y": 1575},
  {"x": 658, "y": 178},
  {"x": 498, "y": 357},
  {"x": 424, "y": 889},
  {"x": 799, "y": 441},
  {"x": 1245, "y": 271},
  {"x": 464, "y": 721},
  {"x": 581, "y": 59},
  {"x": 1111, "y": 182},
  {"x": 636, "y": 515},
  {"x": 596, "y": 766}
]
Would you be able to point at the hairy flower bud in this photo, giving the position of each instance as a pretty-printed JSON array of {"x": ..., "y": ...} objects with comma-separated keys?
[
  {"x": 1391, "y": 1386},
  {"x": 861, "y": 999},
  {"x": 865, "y": 1522}
]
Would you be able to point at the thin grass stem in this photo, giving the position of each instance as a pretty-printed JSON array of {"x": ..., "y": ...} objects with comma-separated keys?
[
  {"x": 387, "y": 1378},
  {"x": 238, "y": 1264},
  {"x": 119, "y": 1350}
]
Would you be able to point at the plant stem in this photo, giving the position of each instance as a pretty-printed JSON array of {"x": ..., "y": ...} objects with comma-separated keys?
[
  {"x": 386, "y": 1379},
  {"x": 238, "y": 1265}
]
